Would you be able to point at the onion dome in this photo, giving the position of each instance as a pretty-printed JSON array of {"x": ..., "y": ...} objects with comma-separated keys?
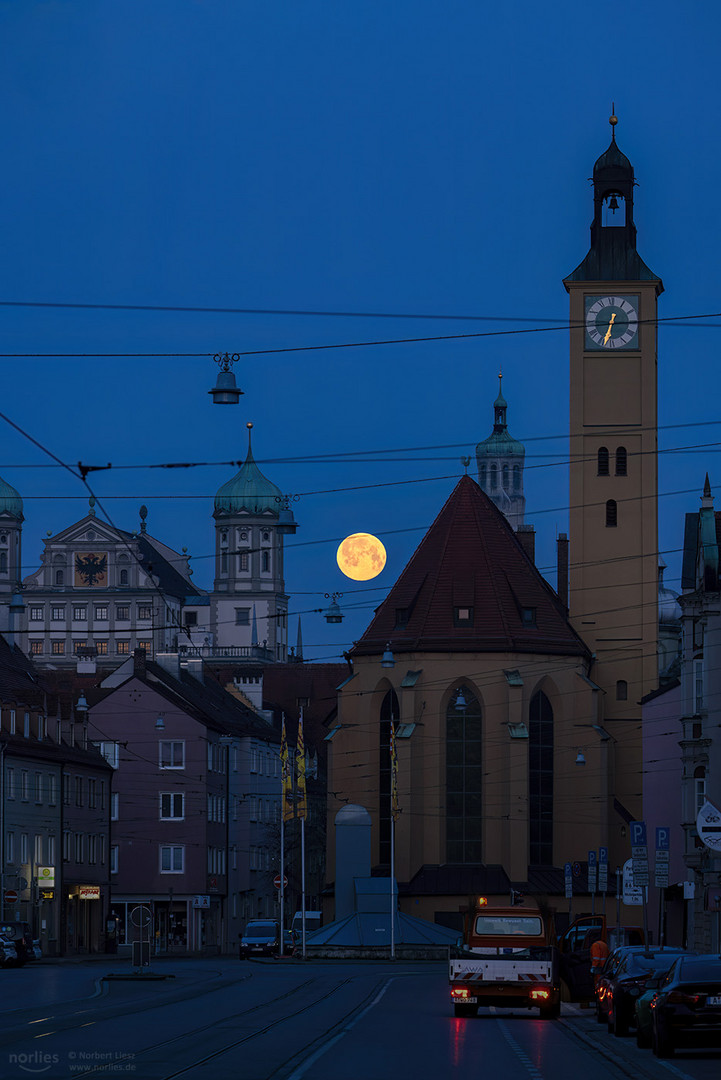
[
  {"x": 11, "y": 505},
  {"x": 248, "y": 490},
  {"x": 669, "y": 609},
  {"x": 500, "y": 443}
]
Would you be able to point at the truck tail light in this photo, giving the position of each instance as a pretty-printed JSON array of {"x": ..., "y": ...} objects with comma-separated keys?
[
  {"x": 459, "y": 992},
  {"x": 540, "y": 994}
]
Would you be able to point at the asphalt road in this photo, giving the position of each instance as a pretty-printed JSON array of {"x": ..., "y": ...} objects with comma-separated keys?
[{"x": 234, "y": 1020}]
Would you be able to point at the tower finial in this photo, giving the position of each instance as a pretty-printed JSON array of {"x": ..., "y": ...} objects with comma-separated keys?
[
  {"x": 613, "y": 120},
  {"x": 249, "y": 426}
]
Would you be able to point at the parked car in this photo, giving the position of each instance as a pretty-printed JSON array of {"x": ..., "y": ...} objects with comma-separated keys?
[
  {"x": 602, "y": 990},
  {"x": 8, "y": 952},
  {"x": 261, "y": 937},
  {"x": 687, "y": 1008},
  {"x": 629, "y": 981},
  {"x": 21, "y": 935}
]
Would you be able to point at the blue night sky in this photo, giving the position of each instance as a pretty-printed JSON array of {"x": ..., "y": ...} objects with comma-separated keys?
[{"x": 425, "y": 158}]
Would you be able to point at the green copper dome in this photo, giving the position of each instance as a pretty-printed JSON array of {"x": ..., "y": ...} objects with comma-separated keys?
[
  {"x": 248, "y": 490},
  {"x": 10, "y": 501},
  {"x": 500, "y": 443}
]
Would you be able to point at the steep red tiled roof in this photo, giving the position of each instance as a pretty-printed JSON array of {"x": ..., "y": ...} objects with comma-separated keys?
[{"x": 470, "y": 558}]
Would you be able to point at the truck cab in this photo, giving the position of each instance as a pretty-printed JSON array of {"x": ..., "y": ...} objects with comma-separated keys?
[{"x": 509, "y": 959}]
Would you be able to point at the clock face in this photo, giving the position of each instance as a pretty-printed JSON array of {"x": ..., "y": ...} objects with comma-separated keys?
[{"x": 611, "y": 322}]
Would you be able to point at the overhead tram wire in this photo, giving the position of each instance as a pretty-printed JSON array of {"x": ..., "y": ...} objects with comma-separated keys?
[
  {"x": 671, "y": 320},
  {"x": 81, "y": 475}
]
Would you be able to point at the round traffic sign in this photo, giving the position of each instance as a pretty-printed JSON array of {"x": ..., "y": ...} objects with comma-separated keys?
[
  {"x": 141, "y": 916},
  {"x": 276, "y": 881},
  {"x": 11, "y": 897}
]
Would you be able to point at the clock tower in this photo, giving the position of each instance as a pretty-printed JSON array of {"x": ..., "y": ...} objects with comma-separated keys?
[{"x": 613, "y": 468}]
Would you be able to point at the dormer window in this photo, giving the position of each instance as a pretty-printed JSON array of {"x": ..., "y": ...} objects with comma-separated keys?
[
  {"x": 401, "y": 618},
  {"x": 463, "y": 616},
  {"x": 528, "y": 616}
]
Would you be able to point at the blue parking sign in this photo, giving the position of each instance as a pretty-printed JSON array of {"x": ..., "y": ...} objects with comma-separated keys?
[
  {"x": 638, "y": 834},
  {"x": 663, "y": 838}
]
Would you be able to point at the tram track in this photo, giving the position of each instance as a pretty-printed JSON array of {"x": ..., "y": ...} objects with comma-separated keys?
[{"x": 193, "y": 1033}]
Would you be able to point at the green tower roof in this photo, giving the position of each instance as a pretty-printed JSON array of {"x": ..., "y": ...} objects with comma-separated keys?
[
  {"x": 10, "y": 501},
  {"x": 248, "y": 490}
]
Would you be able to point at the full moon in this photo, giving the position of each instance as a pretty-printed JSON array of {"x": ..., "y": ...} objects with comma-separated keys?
[{"x": 361, "y": 556}]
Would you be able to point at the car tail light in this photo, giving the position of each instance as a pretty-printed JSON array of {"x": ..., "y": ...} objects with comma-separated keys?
[
  {"x": 540, "y": 994},
  {"x": 678, "y": 998},
  {"x": 459, "y": 992}
]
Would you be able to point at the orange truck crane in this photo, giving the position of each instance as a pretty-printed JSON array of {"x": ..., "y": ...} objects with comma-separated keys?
[{"x": 509, "y": 959}]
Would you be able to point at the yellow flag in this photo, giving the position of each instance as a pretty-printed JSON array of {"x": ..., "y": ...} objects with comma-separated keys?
[
  {"x": 302, "y": 799},
  {"x": 286, "y": 776},
  {"x": 394, "y": 772}
]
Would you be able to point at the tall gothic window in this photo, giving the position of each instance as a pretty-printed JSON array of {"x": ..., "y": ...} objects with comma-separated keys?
[
  {"x": 516, "y": 477},
  {"x": 494, "y": 476},
  {"x": 464, "y": 807},
  {"x": 621, "y": 461},
  {"x": 540, "y": 780},
  {"x": 389, "y": 708},
  {"x": 505, "y": 477},
  {"x": 482, "y": 475}
]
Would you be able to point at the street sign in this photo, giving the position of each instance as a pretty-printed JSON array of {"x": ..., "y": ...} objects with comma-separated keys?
[
  {"x": 141, "y": 916},
  {"x": 639, "y": 853},
  {"x": 663, "y": 855},
  {"x": 708, "y": 826},
  {"x": 632, "y": 894},
  {"x": 592, "y": 869},
  {"x": 603, "y": 869},
  {"x": 11, "y": 897},
  {"x": 568, "y": 880},
  {"x": 276, "y": 881}
]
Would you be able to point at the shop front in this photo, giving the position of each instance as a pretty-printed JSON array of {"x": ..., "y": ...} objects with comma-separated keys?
[{"x": 85, "y": 907}]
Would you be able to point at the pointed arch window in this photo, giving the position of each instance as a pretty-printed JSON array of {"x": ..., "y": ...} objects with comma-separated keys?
[
  {"x": 505, "y": 476},
  {"x": 540, "y": 780},
  {"x": 494, "y": 476},
  {"x": 621, "y": 461},
  {"x": 611, "y": 514},
  {"x": 389, "y": 709},
  {"x": 464, "y": 806},
  {"x": 516, "y": 478},
  {"x": 603, "y": 461}
]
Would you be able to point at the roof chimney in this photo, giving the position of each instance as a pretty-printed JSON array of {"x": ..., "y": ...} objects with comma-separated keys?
[
  {"x": 527, "y": 539},
  {"x": 139, "y": 657},
  {"x": 562, "y": 564}
]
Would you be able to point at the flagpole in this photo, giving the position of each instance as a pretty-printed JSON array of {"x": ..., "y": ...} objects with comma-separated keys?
[
  {"x": 393, "y": 918},
  {"x": 394, "y": 804},
  {"x": 283, "y": 811},
  {"x": 302, "y": 810},
  {"x": 302, "y": 873}
]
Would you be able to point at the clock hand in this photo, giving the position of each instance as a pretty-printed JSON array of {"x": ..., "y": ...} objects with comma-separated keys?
[{"x": 608, "y": 332}]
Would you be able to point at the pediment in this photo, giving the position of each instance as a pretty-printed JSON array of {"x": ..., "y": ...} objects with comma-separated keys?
[{"x": 90, "y": 531}]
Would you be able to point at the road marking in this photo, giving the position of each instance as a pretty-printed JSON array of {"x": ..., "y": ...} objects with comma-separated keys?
[
  {"x": 303, "y": 1068},
  {"x": 520, "y": 1053}
]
